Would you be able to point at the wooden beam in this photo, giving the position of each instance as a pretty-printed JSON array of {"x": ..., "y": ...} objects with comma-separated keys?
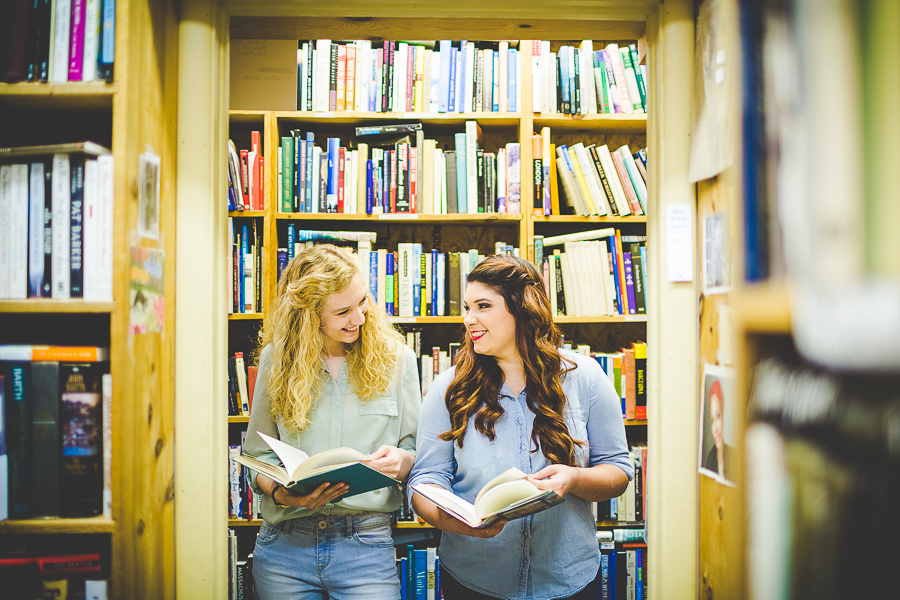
[
  {"x": 615, "y": 10},
  {"x": 376, "y": 28}
]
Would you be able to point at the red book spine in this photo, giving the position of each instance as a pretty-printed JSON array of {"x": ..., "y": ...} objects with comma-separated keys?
[
  {"x": 393, "y": 167},
  {"x": 340, "y": 186},
  {"x": 261, "y": 198},
  {"x": 413, "y": 176},
  {"x": 245, "y": 178}
]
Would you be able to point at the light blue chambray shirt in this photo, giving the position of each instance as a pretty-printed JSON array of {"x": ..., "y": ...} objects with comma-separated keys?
[
  {"x": 552, "y": 554},
  {"x": 339, "y": 418}
]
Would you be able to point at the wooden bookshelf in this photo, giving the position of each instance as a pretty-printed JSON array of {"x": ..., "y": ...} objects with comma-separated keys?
[
  {"x": 246, "y": 316},
  {"x": 615, "y": 123},
  {"x": 42, "y": 305},
  {"x": 580, "y": 219},
  {"x": 135, "y": 113},
  {"x": 58, "y": 526}
]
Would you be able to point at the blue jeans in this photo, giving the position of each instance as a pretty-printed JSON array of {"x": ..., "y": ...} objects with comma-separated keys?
[{"x": 327, "y": 557}]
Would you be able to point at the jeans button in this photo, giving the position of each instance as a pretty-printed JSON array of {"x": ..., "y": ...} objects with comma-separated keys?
[{"x": 322, "y": 524}]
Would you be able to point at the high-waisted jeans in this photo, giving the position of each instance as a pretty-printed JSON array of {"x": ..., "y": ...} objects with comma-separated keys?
[{"x": 327, "y": 557}]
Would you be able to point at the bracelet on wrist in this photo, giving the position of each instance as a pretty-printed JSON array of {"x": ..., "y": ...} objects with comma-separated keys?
[{"x": 277, "y": 487}]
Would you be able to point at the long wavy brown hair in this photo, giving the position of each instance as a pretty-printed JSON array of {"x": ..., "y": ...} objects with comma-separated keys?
[
  {"x": 293, "y": 329},
  {"x": 475, "y": 388}
]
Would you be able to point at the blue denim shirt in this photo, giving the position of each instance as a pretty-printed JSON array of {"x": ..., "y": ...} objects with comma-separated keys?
[{"x": 554, "y": 553}]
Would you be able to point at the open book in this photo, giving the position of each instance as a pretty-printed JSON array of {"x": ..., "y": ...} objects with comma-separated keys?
[
  {"x": 507, "y": 496},
  {"x": 303, "y": 473}
]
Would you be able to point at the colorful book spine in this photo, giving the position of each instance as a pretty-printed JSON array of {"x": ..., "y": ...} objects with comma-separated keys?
[
  {"x": 629, "y": 283},
  {"x": 76, "y": 40}
]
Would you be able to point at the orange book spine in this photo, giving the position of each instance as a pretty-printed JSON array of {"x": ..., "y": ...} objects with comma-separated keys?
[
  {"x": 69, "y": 353},
  {"x": 630, "y": 389},
  {"x": 554, "y": 184}
]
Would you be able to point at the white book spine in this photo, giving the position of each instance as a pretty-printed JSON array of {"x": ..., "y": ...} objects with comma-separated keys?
[
  {"x": 91, "y": 239},
  {"x": 95, "y": 589},
  {"x": 301, "y": 59},
  {"x": 504, "y": 78},
  {"x": 363, "y": 257},
  {"x": 229, "y": 301},
  {"x": 5, "y": 224},
  {"x": 441, "y": 283},
  {"x": 471, "y": 167},
  {"x": 591, "y": 178},
  {"x": 63, "y": 12},
  {"x": 460, "y": 76},
  {"x": 62, "y": 215},
  {"x": 105, "y": 208},
  {"x": 18, "y": 232},
  {"x": 609, "y": 290},
  {"x": 91, "y": 40},
  {"x": 381, "y": 274},
  {"x": 435, "y": 82},
  {"x": 536, "y": 81},
  {"x": 36, "y": 231},
  {"x": 551, "y": 84},
  {"x": 241, "y": 373},
  {"x": 405, "y": 260},
  {"x": 427, "y": 372},
  {"x": 107, "y": 445},
  {"x": 590, "y": 297},
  {"x": 488, "y": 87},
  {"x": 547, "y": 76},
  {"x": 427, "y": 57},
  {"x": 400, "y": 64},
  {"x": 612, "y": 177},
  {"x": 440, "y": 182},
  {"x": 429, "y": 568},
  {"x": 568, "y": 288},
  {"x": 501, "y": 178},
  {"x": 587, "y": 80},
  {"x": 468, "y": 88},
  {"x": 322, "y": 73}
]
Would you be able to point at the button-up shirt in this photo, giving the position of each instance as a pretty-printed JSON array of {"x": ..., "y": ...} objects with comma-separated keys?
[
  {"x": 339, "y": 418},
  {"x": 551, "y": 554}
]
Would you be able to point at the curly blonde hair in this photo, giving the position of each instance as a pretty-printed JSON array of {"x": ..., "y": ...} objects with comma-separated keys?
[{"x": 293, "y": 329}]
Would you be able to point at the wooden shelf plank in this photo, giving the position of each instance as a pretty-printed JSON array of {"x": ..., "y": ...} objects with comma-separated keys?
[
  {"x": 239, "y": 419},
  {"x": 763, "y": 308},
  {"x": 411, "y": 525},
  {"x": 579, "y": 219},
  {"x": 635, "y": 422},
  {"x": 607, "y": 319},
  {"x": 42, "y": 305},
  {"x": 617, "y": 123},
  {"x": 246, "y": 213},
  {"x": 246, "y": 316},
  {"x": 247, "y": 116},
  {"x": 68, "y": 96},
  {"x": 352, "y": 117},
  {"x": 480, "y": 218},
  {"x": 56, "y": 526}
]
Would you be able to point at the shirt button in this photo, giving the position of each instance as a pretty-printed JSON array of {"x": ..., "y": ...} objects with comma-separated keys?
[
  {"x": 337, "y": 402},
  {"x": 322, "y": 524},
  {"x": 343, "y": 377},
  {"x": 335, "y": 433}
]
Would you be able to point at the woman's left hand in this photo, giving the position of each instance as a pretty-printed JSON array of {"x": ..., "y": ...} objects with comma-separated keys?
[
  {"x": 559, "y": 478},
  {"x": 392, "y": 461}
]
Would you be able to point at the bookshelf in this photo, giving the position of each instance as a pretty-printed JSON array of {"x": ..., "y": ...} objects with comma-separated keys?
[
  {"x": 458, "y": 232},
  {"x": 133, "y": 113},
  {"x": 203, "y": 129}
]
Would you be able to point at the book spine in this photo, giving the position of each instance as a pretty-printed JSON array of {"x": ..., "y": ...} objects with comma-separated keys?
[
  {"x": 5, "y": 229},
  {"x": 45, "y": 437},
  {"x": 36, "y": 230},
  {"x": 61, "y": 226},
  {"x": 76, "y": 40},
  {"x": 18, "y": 231},
  {"x": 61, "y": 39},
  {"x": 18, "y": 410},
  {"x": 76, "y": 213},
  {"x": 81, "y": 473},
  {"x": 91, "y": 40}
]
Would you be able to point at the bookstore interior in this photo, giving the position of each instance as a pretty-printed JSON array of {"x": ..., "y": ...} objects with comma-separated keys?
[{"x": 703, "y": 221}]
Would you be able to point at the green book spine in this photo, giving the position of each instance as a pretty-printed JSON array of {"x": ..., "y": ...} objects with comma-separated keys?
[{"x": 287, "y": 174}]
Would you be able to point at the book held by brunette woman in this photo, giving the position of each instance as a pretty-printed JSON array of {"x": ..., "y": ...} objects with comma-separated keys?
[
  {"x": 507, "y": 496},
  {"x": 303, "y": 473}
]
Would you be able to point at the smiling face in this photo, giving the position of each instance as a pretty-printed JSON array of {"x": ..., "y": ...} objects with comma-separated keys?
[
  {"x": 489, "y": 323},
  {"x": 342, "y": 316}
]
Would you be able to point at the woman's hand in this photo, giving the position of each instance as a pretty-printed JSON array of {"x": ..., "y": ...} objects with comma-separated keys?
[
  {"x": 392, "y": 461},
  {"x": 562, "y": 479},
  {"x": 316, "y": 499},
  {"x": 445, "y": 522}
]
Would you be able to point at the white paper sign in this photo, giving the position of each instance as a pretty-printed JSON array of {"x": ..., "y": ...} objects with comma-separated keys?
[{"x": 679, "y": 242}]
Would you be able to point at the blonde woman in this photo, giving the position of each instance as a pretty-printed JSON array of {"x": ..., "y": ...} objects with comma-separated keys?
[{"x": 332, "y": 373}]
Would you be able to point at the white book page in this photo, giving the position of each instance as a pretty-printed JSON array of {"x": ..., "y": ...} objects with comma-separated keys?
[
  {"x": 499, "y": 497},
  {"x": 449, "y": 502},
  {"x": 292, "y": 458}
]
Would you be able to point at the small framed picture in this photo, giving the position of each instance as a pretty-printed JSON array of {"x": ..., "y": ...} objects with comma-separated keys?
[
  {"x": 718, "y": 424},
  {"x": 148, "y": 196},
  {"x": 716, "y": 254}
]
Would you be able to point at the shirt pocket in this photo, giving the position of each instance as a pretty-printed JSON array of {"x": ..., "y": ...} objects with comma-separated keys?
[
  {"x": 578, "y": 431},
  {"x": 478, "y": 452},
  {"x": 377, "y": 422}
]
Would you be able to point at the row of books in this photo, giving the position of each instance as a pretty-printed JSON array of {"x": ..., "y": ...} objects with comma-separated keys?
[
  {"x": 243, "y": 502},
  {"x": 57, "y": 40},
  {"x": 591, "y": 277},
  {"x": 405, "y": 173},
  {"x": 246, "y": 176},
  {"x": 408, "y": 282},
  {"x": 623, "y": 566},
  {"x": 60, "y": 575},
  {"x": 55, "y": 403},
  {"x": 578, "y": 80},
  {"x": 56, "y": 222},
  {"x": 420, "y": 574},
  {"x": 241, "y": 385},
  {"x": 422, "y": 77},
  {"x": 245, "y": 266},
  {"x": 240, "y": 572},
  {"x": 627, "y": 371},
  {"x": 595, "y": 180},
  {"x": 631, "y": 506}
]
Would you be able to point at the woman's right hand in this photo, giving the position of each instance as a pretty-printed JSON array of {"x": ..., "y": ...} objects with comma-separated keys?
[
  {"x": 316, "y": 499},
  {"x": 445, "y": 522}
]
